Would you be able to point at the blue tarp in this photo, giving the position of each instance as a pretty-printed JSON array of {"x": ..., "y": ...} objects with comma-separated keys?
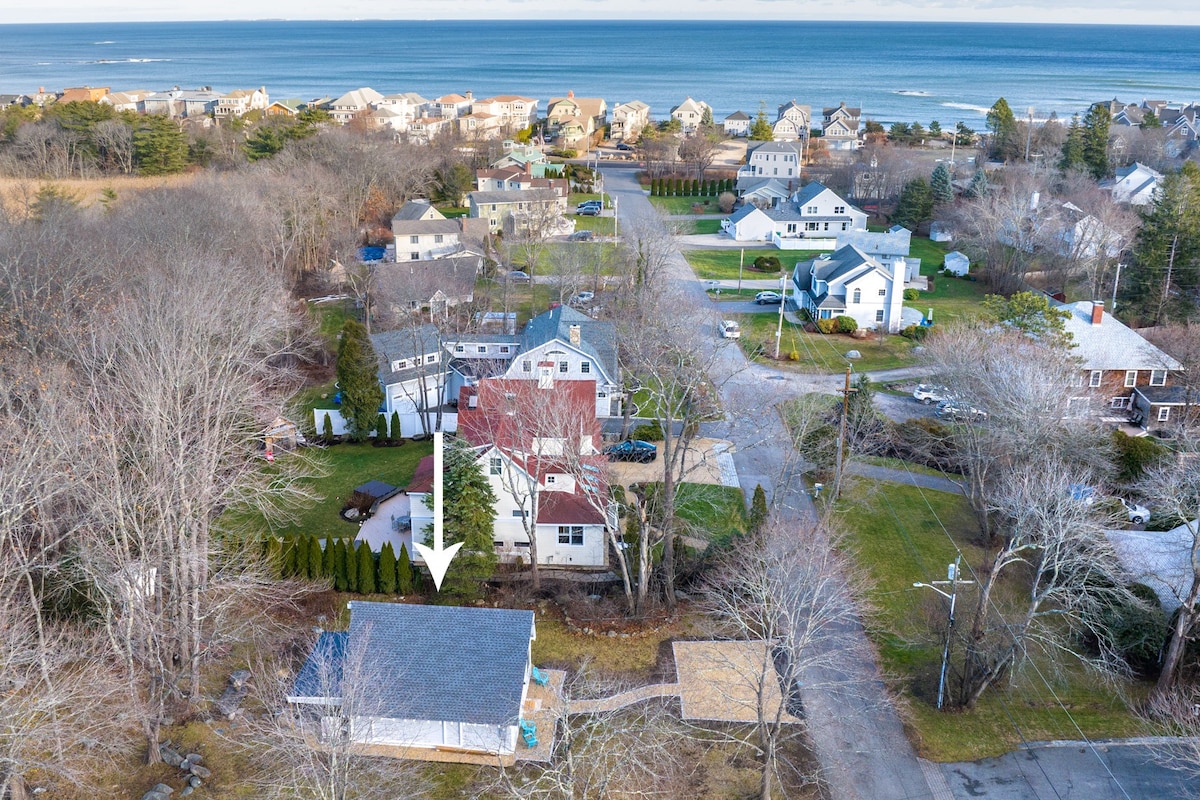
[{"x": 370, "y": 253}]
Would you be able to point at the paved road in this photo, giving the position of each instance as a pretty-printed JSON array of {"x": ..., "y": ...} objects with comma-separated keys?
[{"x": 860, "y": 743}]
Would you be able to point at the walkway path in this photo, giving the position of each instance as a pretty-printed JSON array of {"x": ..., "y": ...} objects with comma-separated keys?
[{"x": 623, "y": 699}]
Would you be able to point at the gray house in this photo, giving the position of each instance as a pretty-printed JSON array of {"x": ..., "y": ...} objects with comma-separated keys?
[{"x": 409, "y": 679}]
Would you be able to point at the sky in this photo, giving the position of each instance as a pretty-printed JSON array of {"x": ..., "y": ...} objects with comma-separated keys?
[{"x": 1160, "y": 12}]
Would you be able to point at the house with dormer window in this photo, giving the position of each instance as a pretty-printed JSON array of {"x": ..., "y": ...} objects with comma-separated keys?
[
  {"x": 840, "y": 126},
  {"x": 848, "y": 282},
  {"x": 792, "y": 122},
  {"x": 810, "y": 219},
  {"x": 691, "y": 114}
]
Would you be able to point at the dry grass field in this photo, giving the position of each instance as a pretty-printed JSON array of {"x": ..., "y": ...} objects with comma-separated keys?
[{"x": 16, "y": 194}]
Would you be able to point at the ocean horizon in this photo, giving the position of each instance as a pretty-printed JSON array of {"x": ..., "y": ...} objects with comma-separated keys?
[{"x": 894, "y": 71}]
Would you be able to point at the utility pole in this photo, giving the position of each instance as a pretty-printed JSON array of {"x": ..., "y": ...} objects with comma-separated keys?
[
  {"x": 1116, "y": 281},
  {"x": 841, "y": 443},
  {"x": 953, "y": 582},
  {"x": 782, "y": 303},
  {"x": 1028, "y": 134}
]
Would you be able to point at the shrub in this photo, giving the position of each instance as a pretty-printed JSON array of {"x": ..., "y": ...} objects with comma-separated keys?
[
  {"x": 915, "y": 332},
  {"x": 846, "y": 324},
  {"x": 648, "y": 432},
  {"x": 827, "y": 325},
  {"x": 726, "y": 200},
  {"x": 366, "y": 569},
  {"x": 1135, "y": 454},
  {"x": 912, "y": 294},
  {"x": 316, "y": 557},
  {"x": 327, "y": 429},
  {"x": 395, "y": 427},
  {"x": 387, "y": 569},
  {"x": 767, "y": 264},
  {"x": 404, "y": 572},
  {"x": 340, "y": 581},
  {"x": 1138, "y": 630},
  {"x": 328, "y": 567},
  {"x": 351, "y": 567}
]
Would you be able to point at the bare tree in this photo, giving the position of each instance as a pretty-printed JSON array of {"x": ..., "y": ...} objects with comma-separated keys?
[
  {"x": 784, "y": 593},
  {"x": 698, "y": 151},
  {"x": 309, "y": 747},
  {"x": 1175, "y": 490},
  {"x": 602, "y": 752}
]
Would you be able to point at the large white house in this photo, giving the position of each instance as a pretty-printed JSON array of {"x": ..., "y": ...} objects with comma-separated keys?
[
  {"x": 1136, "y": 184},
  {"x": 811, "y": 218},
  {"x": 848, "y": 282}
]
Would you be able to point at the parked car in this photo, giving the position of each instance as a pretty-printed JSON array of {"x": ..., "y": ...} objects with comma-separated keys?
[
  {"x": 929, "y": 394},
  {"x": 518, "y": 276},
  {"x": 730, "y": 329},
  {"x": 624, "y": 146},
  {"x": 582, "y": 299},
  {"x": 768, "y": 298},
  {"x": 632, "y": 450},
  {"x": 589, "y": 204},
  {"x": 1138, "y": 514},
  {"x": 959, "y": 411},
  {"x": 582, "y": 236},
  {"x": 588, "y": 211}
]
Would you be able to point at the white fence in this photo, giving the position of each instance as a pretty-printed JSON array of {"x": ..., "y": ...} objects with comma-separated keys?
[
  {"x": 410, "y": 423},
  {"x": 801, "y": 242}
]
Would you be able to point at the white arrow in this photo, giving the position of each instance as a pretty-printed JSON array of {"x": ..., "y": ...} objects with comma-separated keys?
[{"x": 437, "y": 558}]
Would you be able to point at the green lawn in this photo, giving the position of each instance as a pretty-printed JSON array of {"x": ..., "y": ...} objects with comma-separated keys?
[
  {"x": 723, "y": 264},
  {"x": 679, "y": 206},
  {"x": 952, "y": 298},
  {"x": 722, "y": 295},
  {"x": 817, "y": 352},
  {"x": 346, "y": 466},
  {"x": 896, "y": 535},
  {"x": 713, "y": 513},
  {"x": 603, "y": 226},
  {"x": 575, "y": 254},
  {"x": 696, "y": 226}
]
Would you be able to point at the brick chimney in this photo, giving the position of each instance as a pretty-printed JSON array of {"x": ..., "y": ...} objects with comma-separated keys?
[
  {"x": 573, "y": 333},
  {"x": 571, "y": 93},
  {"x": 1097, "y": 312}
]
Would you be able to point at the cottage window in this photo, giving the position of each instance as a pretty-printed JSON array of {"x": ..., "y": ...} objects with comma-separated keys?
[
  {"x": 526, "y": 367},
  {"x": 839, "y": 209},
  {"x": 402, "y": 364},
  {"x": 458, "y": 348},
  {"x": 562, "y": 366},
  {"x": 601, "y": 394},
  {"x": 883, "y": 292},
  {"x": 879, "y": 315},
  {"x": 1164, "y": 413},
  {"x": 845, "y": 226},
  {"x": 1096, "y": 377},
  {"x": 791, "y": 227},
  {"x": 414, "y": 256},
  {"x": 494, "y": 465},
  {"x": 1158, "y": 377},
  {"x": 438, "y": 238},
  {"x": 519, "y": 513},
  {"x": 499, "y": 545},
  {"x": 570, "y": 534},
  {"x": 810, "y": 210},
  {"x": 857, "y": 296},
  {"x": 812, "y": 226},
  {"x": 430, "y": 359},
  {"x": 551, "y": 479},
  {"x": 826, "y": 226},
  {"x": 1120, "y": 402},
  {"x": 414, "y": 240},
  {"x": 481, "y": 348},
  {"x": 1130, "y": 378},
  {"x": 504, "y": 348}
]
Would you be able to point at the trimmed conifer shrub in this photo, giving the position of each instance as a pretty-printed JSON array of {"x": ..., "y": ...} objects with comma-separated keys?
[
  {"x": 287, "y": 567},
  {"x": 387, "y": 569},
  {"x": 327, "y": 566},
  {"x": 394, "y": 433},
  {"x": 351, "y": 568},
  {"x": 340, "y": 581},
  {"x": 315, "y": 558},
  {"x": 366, "y": 569},
  {"x": 404, "y": 572}
]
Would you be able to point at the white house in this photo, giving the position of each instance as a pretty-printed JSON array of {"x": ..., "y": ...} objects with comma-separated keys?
[
  {"x": 890, "y": 248},
  {"x": 765, "y": 192},
  {"x": 691, "y": 114},
  {"x": 748, "y": 224},
  {"x": 515, "y": 112},
  {"x": 628, "y": 120},
  {"x": 737, "y": 124},
  {"x": 421, "y": 233},
  {"x": 839, "y": 127},
  {"x": 358, "y": 101},
  {"x": 779, "y": 160},
  {"x": 451, "y": 106},
  {"x": 848, "y": 282},
  {"x": 413, "y": 377},
  {"x": 811, "y": 219},
  {"x": 241, "y": 101},
  {"x": 411, "y": 679},
  {"x": 793, "y": 122},
  {"x": 1136, "y": 184},
  {"x": 956, "y": 263}
]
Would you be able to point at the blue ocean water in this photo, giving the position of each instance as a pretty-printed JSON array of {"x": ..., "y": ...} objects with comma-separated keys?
[{"x": 894, "y": 71}]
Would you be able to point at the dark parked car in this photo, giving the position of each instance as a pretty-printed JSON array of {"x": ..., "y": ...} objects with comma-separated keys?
[
  {"x": 518, "y": 276},
  {"x": 623, "y": 146},
  {"x": 589, "y": 211},
  {"x": 632, "y": 450}
]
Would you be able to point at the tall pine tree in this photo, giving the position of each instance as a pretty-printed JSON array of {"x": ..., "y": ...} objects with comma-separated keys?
[
  {"x": 404, "y": 572},
  {"x": 1167, "y": 250},
  {"x": 351, "y": 567},
  {"x": 315, "y": 559},
  {"x": 328, "y": 569},
  {"x": 340, "y": 581},
  {"x": 469, "y": 517},
  {"x": 1095, "y": 140},
  {"x": 366, "y": 569},
  {"x": 1003, "y": 143},
  {"x": 760, "y": 129},
  {"x": 1072, "y": 148},
  {"x": 358, "y": 380},
  {"x": 159, "y": 146},
  {"x": 915, "y": 205},
  {"x": 758, "y": 510},
  {"x": 940, "y": 185}
]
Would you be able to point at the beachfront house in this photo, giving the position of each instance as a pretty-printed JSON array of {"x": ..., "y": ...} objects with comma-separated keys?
[
  {"x": 737, "y": 124},
  {"x": 792, "y": 122},
  {"x": 628, "y": 120},
  {"x": 691, "y": 114},
  {"x": 840, "y": 126}
]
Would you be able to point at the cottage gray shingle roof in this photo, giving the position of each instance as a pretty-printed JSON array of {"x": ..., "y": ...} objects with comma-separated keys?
[
  {"x": 443, "y": 663},
  {"x": 738, "y": 116},
  {"x": 886, "y": 243},
  {"x": 514, "y": 196},
  {"x": 598, "y": 339}
]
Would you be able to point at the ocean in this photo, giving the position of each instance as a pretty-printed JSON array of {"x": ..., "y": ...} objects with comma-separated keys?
[{"x": 894, "y": 71}]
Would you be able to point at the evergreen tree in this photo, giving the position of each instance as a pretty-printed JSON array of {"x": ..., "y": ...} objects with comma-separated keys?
[
  {"x": 1004, "y": 143},
  {"x": 266, "y": 142},
  {"x": 340, "y": 581},
  {"x": 758, "y": 510},
  {"x": 899, "y": 132},
  {"x": 357, "y": 374},
  {"x": 1072, "y": 148},
  {"x": 915, "y": 205},
  {"x": 404, "y": 572},
  {"x": 963, "y": 136},
  {"x": 327, "y": 429},
  {"x": 935, "y": 129},
  {"x": 1167, "y": 250},
  {"x": 366, "y": 569},
  {"x": 159, "y": 146},
  {"x": 395, "y": 434},
  {"x": 381, "y": 430},
  {"x": 328, "y": 568},
  {"x": 1150, "y": 121},
  {"x": 387, "y": 569},
  {"x": 301, "y": 569},
  {"x": 979, "y": 184},
  {"x": 706, "y": 119},
  {"x": 315, "y": 559},
  {"x": 287, "y": 564},
  {"x": 469, "y": 517},
  {"x": 1095, "y": 140},
  {"x": 274, "y": 556},
  {"x": 351, "y": 567},
  {"x": 760, "y": 129},
  {"x": 940, "y": 185}
]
